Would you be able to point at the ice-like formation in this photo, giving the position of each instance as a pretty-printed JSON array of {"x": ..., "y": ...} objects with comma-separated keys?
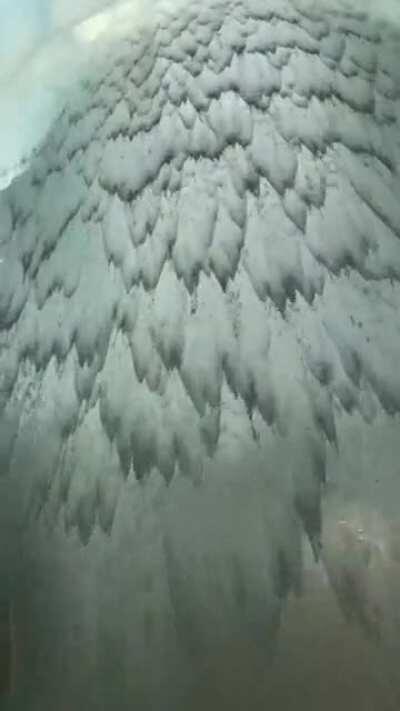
[{"x": 199, "y": 317}]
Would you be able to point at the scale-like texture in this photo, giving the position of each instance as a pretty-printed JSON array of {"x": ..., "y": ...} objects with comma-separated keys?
[{"x": 199, "y": 281}]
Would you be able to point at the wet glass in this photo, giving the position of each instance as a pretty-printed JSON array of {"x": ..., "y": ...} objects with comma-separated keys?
[{"x": 199, "y": 345}]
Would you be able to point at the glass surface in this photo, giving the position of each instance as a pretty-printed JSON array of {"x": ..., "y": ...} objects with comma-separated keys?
[{"x": 199, "y": 355}]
